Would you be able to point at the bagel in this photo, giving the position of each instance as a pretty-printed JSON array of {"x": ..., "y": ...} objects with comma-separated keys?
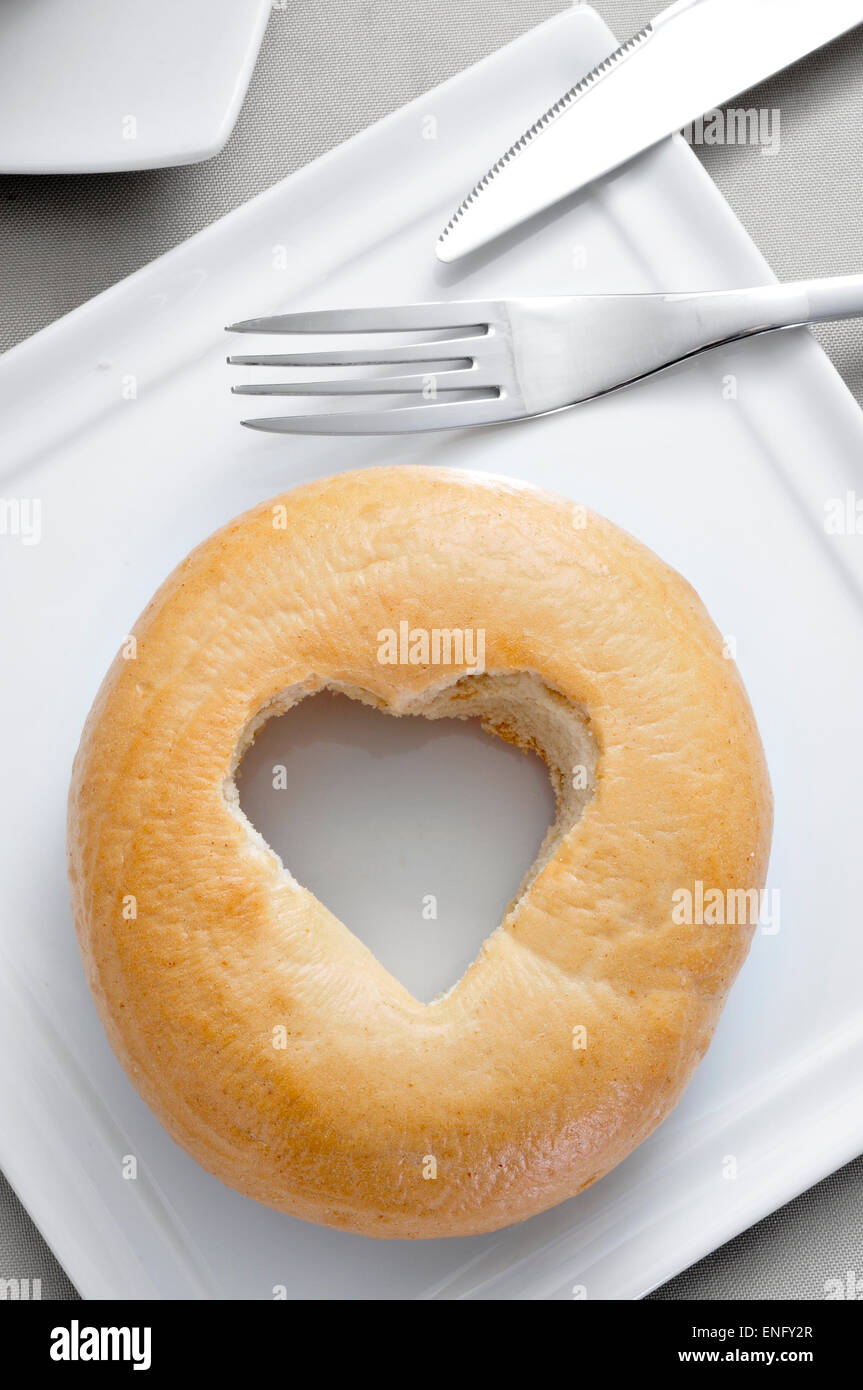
[{"x": 264, "y": 1035}]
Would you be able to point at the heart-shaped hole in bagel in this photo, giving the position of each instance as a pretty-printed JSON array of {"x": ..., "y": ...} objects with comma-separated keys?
[{"x": 419, "y": 832}]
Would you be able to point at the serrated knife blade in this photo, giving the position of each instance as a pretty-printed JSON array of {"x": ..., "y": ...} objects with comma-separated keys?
[{"x": 692, "y": 58}]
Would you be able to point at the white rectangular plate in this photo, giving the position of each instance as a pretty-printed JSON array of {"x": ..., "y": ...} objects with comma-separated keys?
[{"x": 118, "y": 419}]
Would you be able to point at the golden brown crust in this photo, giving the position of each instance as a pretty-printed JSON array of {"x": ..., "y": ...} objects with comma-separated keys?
[{"x": 337, "y": 1125}]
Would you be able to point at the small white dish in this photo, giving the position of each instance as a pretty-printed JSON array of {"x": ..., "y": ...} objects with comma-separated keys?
[{"x": 97, "y": 86}]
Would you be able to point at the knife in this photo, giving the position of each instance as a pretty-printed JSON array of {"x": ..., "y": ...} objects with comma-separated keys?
[{"x": 690, "y": 59}]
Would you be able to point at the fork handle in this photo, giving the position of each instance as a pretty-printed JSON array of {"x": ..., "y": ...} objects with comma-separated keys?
[
  {"x": 724, "y": 315},
  {"x": 834, "y": 297}
]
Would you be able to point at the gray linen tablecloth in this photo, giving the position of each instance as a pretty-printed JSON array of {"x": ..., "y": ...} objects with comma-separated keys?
[{"x": 325, "y": 71}]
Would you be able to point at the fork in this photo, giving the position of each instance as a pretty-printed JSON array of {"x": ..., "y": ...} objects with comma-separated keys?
[{"x": 491, "y": 361}]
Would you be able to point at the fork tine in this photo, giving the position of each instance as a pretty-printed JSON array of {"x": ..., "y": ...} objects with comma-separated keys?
[
  {"x": 437, "y": 415},
  {"x": 468, "y": 380},
  {"x": 400, "y": 318},
  {"x": 452, "y": 350}
]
